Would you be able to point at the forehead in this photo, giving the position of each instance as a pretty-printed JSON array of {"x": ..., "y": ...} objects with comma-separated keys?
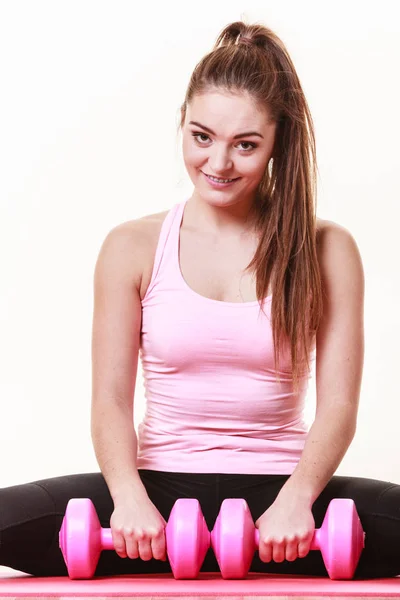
[{"x": 227, "y": 110}]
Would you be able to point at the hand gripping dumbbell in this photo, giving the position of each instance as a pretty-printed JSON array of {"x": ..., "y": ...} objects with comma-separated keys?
[
  {"x": 82, "y": 538},
  {"x": 340, "y": 539}
]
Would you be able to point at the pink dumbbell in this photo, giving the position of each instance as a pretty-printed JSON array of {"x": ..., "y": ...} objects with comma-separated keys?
[
  {"x": 234, "y": 539},
  {"x": 82, "y": 538}
]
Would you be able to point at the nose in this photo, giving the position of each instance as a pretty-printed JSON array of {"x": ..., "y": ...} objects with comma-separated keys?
[{"x": 220, "y": 162}]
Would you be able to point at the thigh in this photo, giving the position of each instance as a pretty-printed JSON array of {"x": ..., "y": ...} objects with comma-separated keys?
[
  {"x": 378, "y": 506},
  {"x": 30, "y": 520},
  {"x": 163, "y": 490}
]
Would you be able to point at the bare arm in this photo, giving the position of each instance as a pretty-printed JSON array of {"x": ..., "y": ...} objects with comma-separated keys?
[
  {"x": 339, "y": 365},
  {"x": 115, "y": 348}
]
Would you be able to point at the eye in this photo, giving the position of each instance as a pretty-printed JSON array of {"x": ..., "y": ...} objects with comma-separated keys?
[{"x": 199, "y": 133}]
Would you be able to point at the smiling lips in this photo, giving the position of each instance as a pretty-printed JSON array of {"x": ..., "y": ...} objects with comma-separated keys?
[{"x": 221, "y": 178}]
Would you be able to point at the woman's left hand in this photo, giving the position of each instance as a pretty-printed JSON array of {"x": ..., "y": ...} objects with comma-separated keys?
[{"x": 286, "y": 530}]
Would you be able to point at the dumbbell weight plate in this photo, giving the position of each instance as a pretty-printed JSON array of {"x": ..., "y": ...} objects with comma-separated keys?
[
  {"x": 80, "y": 538},
  {"x": 342, "y": 537},
  {"x": 187, "y": 538},
  {"x": 233, "y": 539}
]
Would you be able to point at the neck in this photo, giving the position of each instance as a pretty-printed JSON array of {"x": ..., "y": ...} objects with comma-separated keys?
[{"x": 221, "y": 220}]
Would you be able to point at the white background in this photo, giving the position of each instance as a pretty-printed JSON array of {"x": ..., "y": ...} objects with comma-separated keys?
[{"x": 89, "y": 106}]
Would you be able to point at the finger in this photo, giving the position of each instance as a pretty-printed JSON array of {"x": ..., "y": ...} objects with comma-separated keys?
[
  {"x": 265, "y": 551},
  {"x": 292, "y": 550},
  {"x": 145, "y": 549},
  {"x": 131, "y": 544},
  {"x": 158, "y": 547},
  {"x": 119, "y": 543},
  {"x": 303, "y": 549},
  {"x": 278, "y": 552}
]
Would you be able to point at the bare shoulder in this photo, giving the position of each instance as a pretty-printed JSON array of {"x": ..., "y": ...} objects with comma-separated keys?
[
  {"x": 334, "y": 238},
  {"x": 339, "y": 256},
  {"x": 130, "y": 247},
  {"x": 151, "y": 224}
]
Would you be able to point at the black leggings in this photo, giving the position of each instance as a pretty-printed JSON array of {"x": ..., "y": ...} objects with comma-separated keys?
[{"x": 31, "y": 516}]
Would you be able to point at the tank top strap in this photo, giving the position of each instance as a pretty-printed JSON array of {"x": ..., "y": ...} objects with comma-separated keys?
[{"x": 166, "y": 257}]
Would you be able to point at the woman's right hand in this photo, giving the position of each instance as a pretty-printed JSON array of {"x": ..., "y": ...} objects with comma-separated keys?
[{"x": 138, "y": 529}]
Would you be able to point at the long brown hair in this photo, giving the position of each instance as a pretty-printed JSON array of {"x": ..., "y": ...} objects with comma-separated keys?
[{"x": 285, "y": 202}]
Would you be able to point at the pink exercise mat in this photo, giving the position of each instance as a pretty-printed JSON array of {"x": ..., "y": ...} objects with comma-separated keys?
[{"x": 208, "y": 584}]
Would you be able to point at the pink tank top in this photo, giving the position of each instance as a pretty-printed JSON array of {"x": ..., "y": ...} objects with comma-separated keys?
[{"x": 213, "y": 404}]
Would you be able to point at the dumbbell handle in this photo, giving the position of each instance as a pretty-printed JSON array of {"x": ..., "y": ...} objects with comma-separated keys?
[
  {"x": 106, "y": 539},
  {"x": 107, "y": 542},
  {"x": 315, "y": 542}
]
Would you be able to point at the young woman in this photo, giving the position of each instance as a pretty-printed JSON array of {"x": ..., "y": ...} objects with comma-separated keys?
[{"x": 227, "y": 297}]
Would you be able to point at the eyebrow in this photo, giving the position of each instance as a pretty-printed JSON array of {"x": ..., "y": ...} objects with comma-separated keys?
[{"x": 235, "y": 137}]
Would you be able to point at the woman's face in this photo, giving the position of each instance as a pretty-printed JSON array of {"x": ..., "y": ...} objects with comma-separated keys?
[{"x": 215, "y": 148}]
